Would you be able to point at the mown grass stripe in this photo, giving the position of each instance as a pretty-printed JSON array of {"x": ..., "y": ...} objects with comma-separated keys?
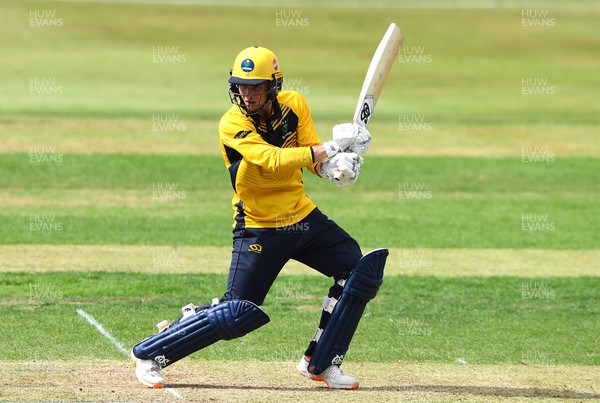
[
  {"x": 420, "y": 319},
  {"x": 46, "y": 168},
  {"x": 215, "y": 260},
  {"x": 135, "y": 135},
  {"x": 405, "y": 202}
]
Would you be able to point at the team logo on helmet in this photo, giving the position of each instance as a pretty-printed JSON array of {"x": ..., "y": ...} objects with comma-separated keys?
[
  {"x": 247, "y": 65},
  {"x": 275, "y": 65}
]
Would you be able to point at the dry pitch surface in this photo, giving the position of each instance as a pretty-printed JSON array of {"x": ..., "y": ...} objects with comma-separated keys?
[{"x": 228, "y": 381}]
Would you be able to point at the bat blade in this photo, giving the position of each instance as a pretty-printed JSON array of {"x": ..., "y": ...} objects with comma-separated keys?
[{"x": 381, "y": 63}]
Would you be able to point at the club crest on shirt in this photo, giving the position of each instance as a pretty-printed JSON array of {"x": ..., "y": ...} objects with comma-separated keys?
[{"x": 285, "y": 130}]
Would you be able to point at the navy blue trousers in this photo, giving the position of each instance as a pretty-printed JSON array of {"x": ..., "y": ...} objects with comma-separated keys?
[{"x": 259, "y": 254}]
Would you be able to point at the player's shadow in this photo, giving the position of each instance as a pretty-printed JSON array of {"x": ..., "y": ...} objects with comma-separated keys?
[
  {"x": 495, "y": 391},
  {"x": 492, "y": 391}
]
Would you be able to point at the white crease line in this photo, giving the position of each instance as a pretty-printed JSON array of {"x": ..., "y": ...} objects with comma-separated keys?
[
  {"x": 104, "y": 332},
  {"x": 115, "y": 342},
  {"x": 174, "y": 393}
]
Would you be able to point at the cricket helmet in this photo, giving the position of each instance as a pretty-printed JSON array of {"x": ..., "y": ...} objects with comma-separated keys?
[{"x": 254, "y": 66}]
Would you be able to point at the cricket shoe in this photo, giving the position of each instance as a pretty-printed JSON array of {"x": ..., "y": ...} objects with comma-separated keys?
[
  {"x": 148, "y": 372},
  {"x": 302, "y": 368},
  {"x": 333, "y": 376}
]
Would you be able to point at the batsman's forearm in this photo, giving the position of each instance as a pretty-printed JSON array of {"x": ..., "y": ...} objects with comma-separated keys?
[{"x": 319, "y": 152}]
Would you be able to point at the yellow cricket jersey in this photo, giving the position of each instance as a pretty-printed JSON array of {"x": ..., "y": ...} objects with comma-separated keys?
[{"x": 265, "y": 161}]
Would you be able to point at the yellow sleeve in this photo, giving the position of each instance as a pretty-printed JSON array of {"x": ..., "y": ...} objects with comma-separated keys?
[
  {"x": 237, "y": 133},
  {"x": 307, "y": 134}
]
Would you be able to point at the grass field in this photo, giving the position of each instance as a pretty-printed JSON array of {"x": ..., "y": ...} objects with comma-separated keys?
[{"x": 482, "y": 180}]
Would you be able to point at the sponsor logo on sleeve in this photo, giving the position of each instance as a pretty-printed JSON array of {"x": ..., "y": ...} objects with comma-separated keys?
[{"x": 241, "y": 134}]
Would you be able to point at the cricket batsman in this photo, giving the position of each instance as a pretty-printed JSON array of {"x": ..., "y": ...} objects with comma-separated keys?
[{"x": 267, "y": 139}]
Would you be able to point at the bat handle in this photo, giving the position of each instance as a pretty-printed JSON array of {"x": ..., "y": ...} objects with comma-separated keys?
[{"x": 359, "y": 123}]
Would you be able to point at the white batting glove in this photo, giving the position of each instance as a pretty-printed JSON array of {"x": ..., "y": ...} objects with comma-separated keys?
[
  {"x": 351, "y": 137},
  {"x": 332, "y": 148},
  {"x": 363, "y": 140},
  {"x": 343, "y": 168}
]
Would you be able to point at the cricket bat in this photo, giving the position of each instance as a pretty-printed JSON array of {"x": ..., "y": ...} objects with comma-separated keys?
[{"x": 381, "y": 63}]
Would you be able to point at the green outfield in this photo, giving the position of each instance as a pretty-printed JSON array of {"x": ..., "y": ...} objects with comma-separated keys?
[{"x": 482, "y": 180}]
